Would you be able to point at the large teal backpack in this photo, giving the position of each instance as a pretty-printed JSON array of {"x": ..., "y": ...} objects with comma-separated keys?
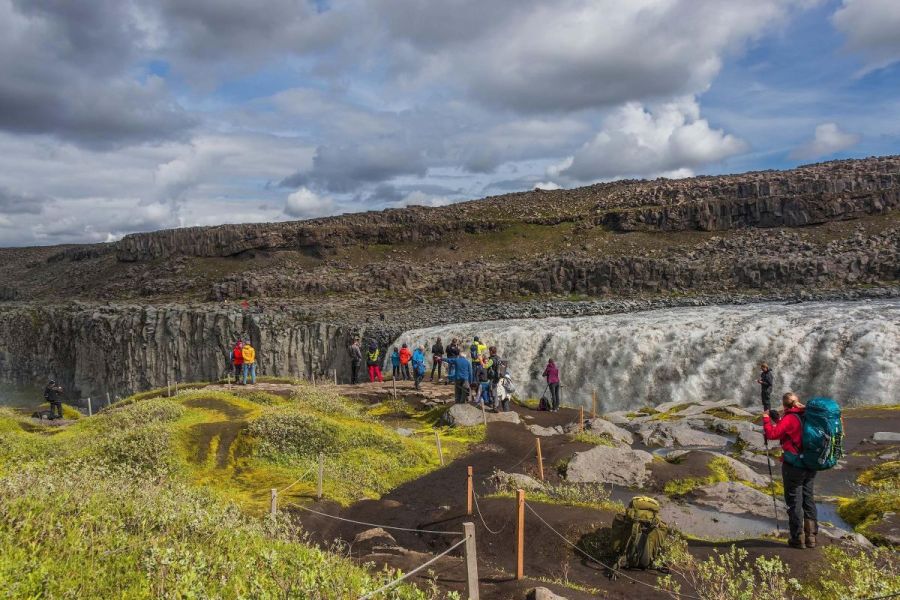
[{"x": 823, "y": 436}]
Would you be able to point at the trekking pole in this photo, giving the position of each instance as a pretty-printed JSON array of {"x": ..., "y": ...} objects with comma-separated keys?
[{"x": 771, "y": 483}]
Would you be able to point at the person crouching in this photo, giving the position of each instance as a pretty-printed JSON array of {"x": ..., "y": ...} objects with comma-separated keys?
[{"x": 798, "y": 481}]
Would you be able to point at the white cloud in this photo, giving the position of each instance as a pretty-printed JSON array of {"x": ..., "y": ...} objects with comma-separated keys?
[
  {"x": 828, "y": 140},
  {"x": 306, "y": 204},
  {"x": 872, "y": 29},
  {"x": 670, "y": 139},
  {"x": 547, "y": 185}
]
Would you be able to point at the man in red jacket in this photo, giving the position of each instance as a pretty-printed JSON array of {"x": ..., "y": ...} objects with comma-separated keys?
[{"x": 798, "y": 482}]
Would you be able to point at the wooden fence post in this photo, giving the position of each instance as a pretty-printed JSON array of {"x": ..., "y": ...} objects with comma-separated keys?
[
  {"x": 394, "y": 386},
  {"x": 273, "y": 506},
  {"x": 168, "y": 388},
  {"x": 321, "y": 475},
  {"x": 594, "y": 404},
  {"x": 335, "y": 377},
  {"x": 581, "y": 417},
  {"x": 471, "y": 561},
  {"x": 437, "y": 439},
  {"x": 540, "y": 459},
  {"x": 469, "y": 491},
  {"x": 90, "y": 412},
  {"x": 108, "y": 401},
  {"x": 520, "y": 534}
]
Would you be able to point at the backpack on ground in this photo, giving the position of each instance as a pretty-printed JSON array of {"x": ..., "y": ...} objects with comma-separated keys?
[
  {"x": 638, "y": 536},
  {"x": 544, "y": 404},
  {"x": 822, "y": 441}
]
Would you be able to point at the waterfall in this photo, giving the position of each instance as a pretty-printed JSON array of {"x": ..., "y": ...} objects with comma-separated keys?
[{"x": 847, "y": 350}]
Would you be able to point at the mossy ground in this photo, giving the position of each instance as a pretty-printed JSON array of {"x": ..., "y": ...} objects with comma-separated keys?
[
  {"x": 719, "y": 471},
  {"x": 868, "y": 509}
]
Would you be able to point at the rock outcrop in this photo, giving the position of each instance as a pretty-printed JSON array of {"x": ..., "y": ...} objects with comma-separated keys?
[{"x": 605, "y": 464}]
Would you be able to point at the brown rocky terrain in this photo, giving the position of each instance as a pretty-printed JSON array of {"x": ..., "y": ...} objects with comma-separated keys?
[{"x": 165, "y": 305}]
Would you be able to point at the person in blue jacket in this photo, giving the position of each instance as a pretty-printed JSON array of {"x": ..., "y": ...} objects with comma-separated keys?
[
  {"x": 395, "y": 363},
  {"x": 462, "y": 373},
  {"x": 418, "y": 365}
]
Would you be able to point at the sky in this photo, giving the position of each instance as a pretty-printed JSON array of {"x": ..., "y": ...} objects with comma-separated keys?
[{"x": 118, "y": 116}]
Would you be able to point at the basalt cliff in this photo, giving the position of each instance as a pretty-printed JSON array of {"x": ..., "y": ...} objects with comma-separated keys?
[{"x": 165, "y": 305}]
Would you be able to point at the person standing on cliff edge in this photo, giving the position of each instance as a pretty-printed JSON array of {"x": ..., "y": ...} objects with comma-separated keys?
[
  {"x": 355, "y": 361},
  {"x": 765, "y": 382}
]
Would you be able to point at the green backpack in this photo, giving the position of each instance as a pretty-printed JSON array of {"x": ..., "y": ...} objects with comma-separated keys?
[{"x": 638, "y": 536}]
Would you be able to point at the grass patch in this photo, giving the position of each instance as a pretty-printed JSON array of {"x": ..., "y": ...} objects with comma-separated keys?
[
  {"x": 720, "y": 470},
  {"x": 532, "y": 403},
  {"x": 721, "y": 413},
  {"x": 646, "y": 411},
  {"x": 867, "y": 511},
  {"x": 588, "y": 495},
  {"x": 587, "y": 437},
  {"x": 883, "y": 476}
]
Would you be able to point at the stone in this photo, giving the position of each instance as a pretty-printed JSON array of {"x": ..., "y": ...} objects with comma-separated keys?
[
  {"x": 513, "y": 481},
  {"x": 607, "y": 464},
  {"x": 742, "y": 471},
  {"x": 541, "y": 431},
  {"x": 604, "y": 427},
  {"x": 668, "y": 434},
  {"x": 752, "y": 440},
  {"x": 467, "y": 415},
  {"x": 736, "y": 498},
  {"x": 403, "y": 431},
  {"x": 886, "y": 436},
  {"x": 542, "y": 593},
  {"x": 372, "y": 540},
  {"x": 619, "y": 417},
  {"x": 758, "y": 459}
]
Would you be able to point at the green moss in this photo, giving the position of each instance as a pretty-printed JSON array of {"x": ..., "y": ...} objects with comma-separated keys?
[
  {"x": 587, "y": 437},
  {"x": 883, "y": 476},
  {"x": 724, "y": 414},
  {"x": 643, "y": 412},
  {"x": 70, "y": 412},
  {"x": 720, "y": 470},
  {"x": 868, "y": 510}
]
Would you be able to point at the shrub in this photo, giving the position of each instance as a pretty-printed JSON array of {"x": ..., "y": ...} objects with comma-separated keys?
[
  {"x": 882, "y": 477},
  {"x": 855, "y": 574}
]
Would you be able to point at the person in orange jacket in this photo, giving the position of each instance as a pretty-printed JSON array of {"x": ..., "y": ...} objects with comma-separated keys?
[
  {"x": 249, "y": 354},
  {"x": 405, "y": 357}
]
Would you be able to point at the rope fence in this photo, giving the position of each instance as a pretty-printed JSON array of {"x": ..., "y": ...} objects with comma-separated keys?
[
  {"x": 395, "y": 582},
  {"x": 392, "y": 527}
]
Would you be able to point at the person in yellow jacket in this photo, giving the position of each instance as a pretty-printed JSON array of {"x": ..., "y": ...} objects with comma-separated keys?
[{"x": 249, "y": 354}]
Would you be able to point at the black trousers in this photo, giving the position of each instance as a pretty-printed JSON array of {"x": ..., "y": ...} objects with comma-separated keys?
[
  {"x": 354, "y": 372},
  {"x": 554, "y": 395},
  {"x": 56, "y": 410},
  {"x": 798, "y": 495},
  {"x": 767, "y": 399},
  {"x": 437, "y": 363},
  {"x": 461, "y": 391}
]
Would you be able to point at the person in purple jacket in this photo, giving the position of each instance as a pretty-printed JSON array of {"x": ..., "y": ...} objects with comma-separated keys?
[{"x": 551, "y": 374}]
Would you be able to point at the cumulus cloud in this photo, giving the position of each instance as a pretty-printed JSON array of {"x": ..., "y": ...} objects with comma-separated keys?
[
  {"x": 306, "y": 204},
  {"x": 547, "y": 185},
  {"x": 828, "y": 140},
  {"x": 871, "y": 29},
  {"x": 668, "y": 140},
  {"x": 13, "y": 203}
]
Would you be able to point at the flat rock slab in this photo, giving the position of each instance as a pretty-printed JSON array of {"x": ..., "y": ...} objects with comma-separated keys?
[
  {"x": 609, "y": 429},
  {"x": 668, "y": 434},
  {"x": 541, "y": 431},
  {"x": 542, "y": 593},
  {"x": 606, "y": 464},
  {"x": 753, "y": 440},
  {"x": 741, "y": 471},
  {"x": 737, "y": 499},
  {"x": 466, "y": 415},
  {"x": 502, "y": 480},
  {"x": 705, "y": 523},
  {"x": 886, "y": 436}
]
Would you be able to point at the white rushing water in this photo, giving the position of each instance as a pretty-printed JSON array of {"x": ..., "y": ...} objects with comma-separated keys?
[{"x": 847, "y": 350}]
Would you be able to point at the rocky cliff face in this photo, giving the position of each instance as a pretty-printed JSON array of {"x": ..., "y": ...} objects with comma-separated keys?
[{"x": 93, "y": 350}]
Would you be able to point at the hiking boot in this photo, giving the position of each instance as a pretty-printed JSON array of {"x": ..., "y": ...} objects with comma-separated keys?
[
  {"x": 810, "y": 528},
  {"x": 797, "y": 543}
]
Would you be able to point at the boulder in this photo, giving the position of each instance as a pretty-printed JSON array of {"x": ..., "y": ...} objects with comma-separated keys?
[
  {"x": 758, "y": 459},
  {"x": 608, "y": 464},
  {"x": 466, "y": 415},
  {"x": 742, "y": 471},
  {"x": 619, "y": 417},
  {"x": 545, "y": 431},
  {"x": 604, "y": 427},
  {"x": 502, "y": 480},
  {"x": 737, "y": 499},
  {"x": 373, "y": 540},
  {"x": 732, "y": 427},
  {"x": 886, "y": 436},
  {"x": 668, "y": 434},
  {"x": 752, "y": 440},
  {"x": 542, "y": 593}
]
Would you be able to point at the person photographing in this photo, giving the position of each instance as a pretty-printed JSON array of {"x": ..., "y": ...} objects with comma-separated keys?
[{"x": 798, "y": 480}]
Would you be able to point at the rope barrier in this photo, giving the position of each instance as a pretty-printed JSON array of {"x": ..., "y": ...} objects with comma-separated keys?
[
  {"x": 481, "y": 516},
  {"x": 524, "y": 458},
  {"x": 384, "y": 588},
  {"x": 321, "y": 514},
  {"x": 299, "y": 479},
  {"x": 605, "y": 566}
]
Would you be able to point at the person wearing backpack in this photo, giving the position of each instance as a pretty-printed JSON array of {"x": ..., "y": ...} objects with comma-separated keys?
[
  {"x": 817, "y": 446},
  {"x": 496, "y": 370},
  {"x": 462, "y": 373},
  {"x": 248, "y": 352},
  {"x": 551, "y": 374},
  {"x": 437, "y": 359},
  {"x": 418, "y": 365},
  {"x": 373, "y": 362},
  {"x": 452, "y": 354}
]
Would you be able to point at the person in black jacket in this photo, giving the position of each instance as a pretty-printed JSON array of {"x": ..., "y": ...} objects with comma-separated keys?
[
  {"x": 355, "y": 360},
  {"x": 765, "y": 382},
  {"x": 53, "y": 395},
  {"x": 437, "y": 358},
  {"x": 452, "y": 354}
]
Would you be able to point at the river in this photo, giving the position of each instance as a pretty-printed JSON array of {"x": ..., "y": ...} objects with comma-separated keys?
[{"x": 847, "y": 350}]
